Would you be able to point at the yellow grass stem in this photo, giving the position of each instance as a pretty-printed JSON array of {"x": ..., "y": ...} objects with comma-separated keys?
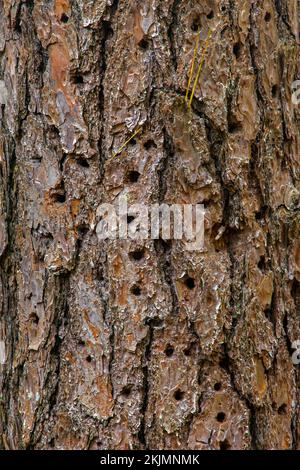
[
  {"x": 192, "y": 66},
  {"x": 127, "y": 142},
  {"x": 200, "y": 67}
]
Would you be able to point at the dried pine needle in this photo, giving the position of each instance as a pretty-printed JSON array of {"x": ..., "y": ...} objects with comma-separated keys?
[
  {"x": 200, "y": 67},
  {"x": 127, "y": 142},
  {"x": 192, "y": 66}
]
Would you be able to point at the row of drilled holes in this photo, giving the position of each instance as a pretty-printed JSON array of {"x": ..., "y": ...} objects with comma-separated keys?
[
  {"x": 138, "y": 255},
  {"x": 169, "y": 350},
  {"x": 179, "y": 394},
  {"x": 196, "y": 24},
  {"x": 132, "y": 177},
  {"x": 190, "y": 283},
  {"x": 143, "y": 44},
  {"x": 136, "y": 290}
]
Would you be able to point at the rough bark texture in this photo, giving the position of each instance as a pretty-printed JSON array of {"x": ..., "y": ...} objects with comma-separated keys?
[{"x": 86, "y": 363}]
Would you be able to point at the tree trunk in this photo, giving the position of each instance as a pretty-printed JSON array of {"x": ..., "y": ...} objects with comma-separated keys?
[{"x": 124, "y": 344}]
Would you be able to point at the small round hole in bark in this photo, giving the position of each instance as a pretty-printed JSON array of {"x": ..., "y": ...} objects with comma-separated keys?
[
  {"x": 268, "y": 17},
  {"x": 196, "y": 24},
  {"x": 34, "y": 318},
  {"x": 132, "y": 142},
  {"x": 275, "y": 91},
  {"x": 178, "y": 395},
  {"x": 64, "y": 18},
  {"x": 237, "y": 47},
  {"x": 83, "y": 162},
  {"x": 190, "y": 283},
  {"x": 217, "y": 386},
  {"x": 150, "y": 144},
  {"x": 282, "y": 410},
  {"x": 81, "y": 343},
  {"x": 261, "y": 213},
  {"x": 234, "y": 127},
  {"x": 59, "y": 197},
  {"x": 126, "y": 390},
  {"x": 169, "y": 351},
  {"x": 78, "y": 79},
  {"x": 262, "y": 263},
  {"x": 137, "y": 255},
  {"x": 133, "y": 176},
  {"x": 82, "y": 230},
  {"x": 224, "y": 445},
  {"x": 144, "y": 44},
  {"x": 210, "y": 15},
  {"x": 136, "y": 290},
  {"x": 88, "y": 358},
  {"x": 221, "y": 417},
  {"x": 130, "y": 218}
]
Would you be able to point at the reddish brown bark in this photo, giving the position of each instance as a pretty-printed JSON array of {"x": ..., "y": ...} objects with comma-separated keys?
[{"x": 87, "y": 363}]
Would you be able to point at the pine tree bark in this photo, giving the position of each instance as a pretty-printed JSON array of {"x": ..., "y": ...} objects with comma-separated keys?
[{"x": 88, "y": 362}]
